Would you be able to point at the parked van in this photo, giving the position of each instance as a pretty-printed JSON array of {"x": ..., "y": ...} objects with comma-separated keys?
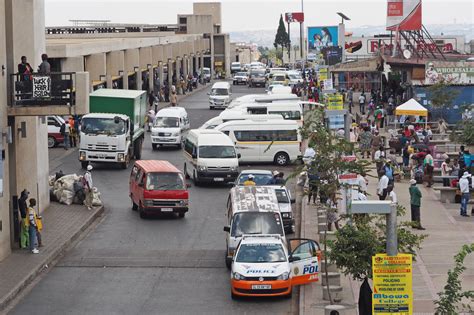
[
  {"x": 262, "y": 98},
  {"x": 158, "y": 187},
  {"x": 251, "y": 210},
  {"x": 229, "y": 115},
  {"x": 220, "y": 95},
  {"x": 289, "y": 110},
  {"x": 264, "y": 141},
  {"x": 54, "y": 135},
  {"x": 169, "y": 126},
  {"x": 210, "y": 156},
  {"x": 206, "y": 74}
]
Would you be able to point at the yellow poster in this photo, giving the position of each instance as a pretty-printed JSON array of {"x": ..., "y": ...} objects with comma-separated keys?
[
  {"x": 393, "y": 288},
  {"x": 335, "y": 101},
  {"x": 322, "y": 74}
]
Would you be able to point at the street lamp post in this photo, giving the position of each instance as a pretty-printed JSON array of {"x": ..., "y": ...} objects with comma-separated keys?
[{"x": 301, "y": 33}]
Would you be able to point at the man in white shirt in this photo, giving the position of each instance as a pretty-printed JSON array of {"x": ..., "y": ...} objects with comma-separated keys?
[
  {"x": 446, "y": 171},
  {"x": 379, "y": 154},
  {"x": 392, "y": 195},
  {"x": 362, "y": 183},
  {"x": 88, "y": 186},
  {"x": 309, "y": 155},
  {"x": 382, "y": 186},
  {"x": 362, "y": 104},
  {"x": 465, "y": 193}
]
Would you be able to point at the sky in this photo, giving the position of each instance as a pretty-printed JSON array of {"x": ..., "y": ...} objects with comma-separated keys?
[{"x": 243, "y": 15}]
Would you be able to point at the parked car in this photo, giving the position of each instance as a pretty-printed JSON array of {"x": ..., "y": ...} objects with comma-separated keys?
[{"x": 54, "y": 136}]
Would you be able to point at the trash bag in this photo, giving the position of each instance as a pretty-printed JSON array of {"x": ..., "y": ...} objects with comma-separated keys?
[
  {"x": 66, "y": 182},
  {"x": 79, "y": 197},
  {"x": 52, "y": 196},
  {"x": 59, "y": 174},
  {"x": 96, "y": 198},
  {"x": 66, "y": 197},
  {"x": 51, "y": 180}
]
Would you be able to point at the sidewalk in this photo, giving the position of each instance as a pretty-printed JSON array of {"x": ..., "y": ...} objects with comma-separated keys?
[{"x": 62, "y": 226}]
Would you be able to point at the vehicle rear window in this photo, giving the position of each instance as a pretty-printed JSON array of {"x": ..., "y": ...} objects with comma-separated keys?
[
  {"x": 260, "y": 179},
  {"x": 165, "y": 181},
  {"x": 256, "y": 223}
]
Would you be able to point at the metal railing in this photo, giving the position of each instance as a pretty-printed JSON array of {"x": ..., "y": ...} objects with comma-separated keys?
[{"x": 36, "y": 89}]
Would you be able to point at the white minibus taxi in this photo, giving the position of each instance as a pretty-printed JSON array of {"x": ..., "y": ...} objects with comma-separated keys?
[
  {"x": 229, "y": 115},
  {"x": 219, "y": 96},
  {"x": 262, "y": 98},
  {"x": 264, "y": 141},
  {"x": 289, "y": 110},
  {"x": 169, "y": 125}
]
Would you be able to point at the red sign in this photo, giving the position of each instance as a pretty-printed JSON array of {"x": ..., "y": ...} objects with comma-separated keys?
[
  {"x": 291, "y": 17},
  {"x": 349, "y": 158},
  {"x": 347, "y": 176},
  {"x": 395, "y": 8},
  {"x": 374, "y": 46}
]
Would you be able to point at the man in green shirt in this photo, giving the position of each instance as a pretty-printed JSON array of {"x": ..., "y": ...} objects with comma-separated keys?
[{"x": 415, "y": 203}]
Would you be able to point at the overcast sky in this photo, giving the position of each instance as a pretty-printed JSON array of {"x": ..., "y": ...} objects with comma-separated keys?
[{"x": 238, "y": 15}]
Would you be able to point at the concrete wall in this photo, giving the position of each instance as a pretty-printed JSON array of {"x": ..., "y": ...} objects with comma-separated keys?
[
  {"x": 4, "y": 167},
  {"x": 72, "y": 64},
  {"x": 209, "y": 8},
  {"x": 145, "y": 55},
  {"x": 96, "y": 65},
  {"x": 198, "y": 24},
  {"x": 115, "y": 62},
  {"x": 132, "y": 59},
  {"x": 157, "y": 53}
]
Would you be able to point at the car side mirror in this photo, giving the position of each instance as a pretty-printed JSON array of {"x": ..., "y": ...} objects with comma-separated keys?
[
  {"x": 239, "y": 155},
  {"x": 292, "y": 200},
  {"x": 227, "y": 229},
  {"x": 292, "y": 259}
]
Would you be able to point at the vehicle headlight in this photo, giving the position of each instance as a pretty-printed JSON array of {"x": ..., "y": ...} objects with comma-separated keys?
[
  {"x": 283, "y": 276},
  {"x": 154, "y": 134},
  {"x": 82, "y": 156},
  {"x": 148, "y": 203},
  {"x": 202, "y": 168},
  {"x": 238, "y": 276},
  {"x": 183, "y": 202},
  {"x": 176, "y": 134},
  {"x": 121, "y": 157},
  {"x": 234, "y": 168},
  {"x": 286, "y": 215}
]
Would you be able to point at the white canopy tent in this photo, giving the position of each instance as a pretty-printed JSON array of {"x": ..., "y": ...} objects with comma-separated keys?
[{"x": 412, "y": 108}]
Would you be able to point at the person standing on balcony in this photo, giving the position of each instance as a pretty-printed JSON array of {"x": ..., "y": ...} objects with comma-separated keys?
[
  {"x": 24, "y": 70},
  {"x": 44, "y": 68}
]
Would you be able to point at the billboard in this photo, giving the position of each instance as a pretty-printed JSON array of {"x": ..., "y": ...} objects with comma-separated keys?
[
  {"x": 291, "y": 17},
  {"x": 451, "y": 72},
  {"x": 403, "y": 15},
  {"x": 320, "y": 37},
  {"x": 332, "y": 55}
]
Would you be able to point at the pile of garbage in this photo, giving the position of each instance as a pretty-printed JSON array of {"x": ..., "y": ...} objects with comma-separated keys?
[{"x": 69, "y": 189}]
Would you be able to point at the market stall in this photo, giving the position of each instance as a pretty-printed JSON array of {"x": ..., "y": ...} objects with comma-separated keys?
[{"x": 412, "y": 108}]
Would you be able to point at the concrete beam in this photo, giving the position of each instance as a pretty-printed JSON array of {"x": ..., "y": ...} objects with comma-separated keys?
[
  {"x": 145, "y": 54},
  {"x": 115, "y": 62}
]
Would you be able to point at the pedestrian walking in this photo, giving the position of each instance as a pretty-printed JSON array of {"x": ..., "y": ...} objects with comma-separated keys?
[
  {"x": 382, "y": 186},
  {"x": 173, "y": 98},
  {"x": 313, "y": 180},
  {"x": 23, "y": 208},
  {"x": 465, "y": 192},
  {"x": 64, "y": 131},
  {"x": 72, "y": 132},
  {"x": 362, "y": 103},
  {"x": 415, "y": 205},
  {"x": 332, "y": 214},
  {"x": 376, "y": 143},
  {"x": 392, "y": 195},
  {"x": 88, "y": 187},
  {"x": 446, "y": 171},
  {"x": 365, "y": 142},
  {"x": 32, "y": 227},
  {"x": 428, "y": 164}
]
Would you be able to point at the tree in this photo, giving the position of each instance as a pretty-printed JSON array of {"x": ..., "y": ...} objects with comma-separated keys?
[
  {"x": 281, "y": 38},
  {"x": 452, "y": 295},
  {"x": 441, "y": 96}
]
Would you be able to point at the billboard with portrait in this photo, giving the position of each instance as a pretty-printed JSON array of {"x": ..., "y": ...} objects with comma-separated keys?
[{"x": 320, "y": 37}]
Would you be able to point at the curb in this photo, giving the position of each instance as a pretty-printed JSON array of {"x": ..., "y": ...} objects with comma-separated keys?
[
  {"x": 50, "y": 259},
  {"x": 302, "y": 235}
]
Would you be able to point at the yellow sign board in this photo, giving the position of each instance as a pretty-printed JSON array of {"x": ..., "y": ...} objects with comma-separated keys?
[
  {"x": 323, "y": 74},
  {"x": 335, "y": 102},
  {"x": 393, "y": 288}
]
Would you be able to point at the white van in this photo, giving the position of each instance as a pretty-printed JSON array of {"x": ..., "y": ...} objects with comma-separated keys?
[
  {"x": 275, "y": 89},
  {"x": 210, "y": 156},
  {"x": 262, "y": 98},
  {"x": 220, "y": 95},
  {"x": 169, "y": 125},
  {"x": 289, "y": 110},
  {"x": 251, "y": 210},
  {"x": 229, "y": 115},
  {"x": 264, "y": 141}
]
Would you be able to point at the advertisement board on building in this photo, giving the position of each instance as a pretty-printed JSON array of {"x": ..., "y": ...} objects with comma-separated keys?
[
  {"x": 403, "y": 15},
  {"x": 393, "y": 287},
  {"x": 332, "y": 55},
  {"x": 335, "y": 101},
  {"x": 291, "y": 17},
  {"x": 450, "y": 72},
  {"x": 320, "y": 37},
  {"x": 41, "y": 87},
  {"x": 369, "y": 46}
]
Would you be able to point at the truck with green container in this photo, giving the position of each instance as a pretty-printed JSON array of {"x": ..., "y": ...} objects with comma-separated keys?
[{"x": 114, "y": 130}]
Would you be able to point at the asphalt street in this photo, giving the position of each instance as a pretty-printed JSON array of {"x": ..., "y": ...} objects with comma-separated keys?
[{"x": 160, "y": 265}]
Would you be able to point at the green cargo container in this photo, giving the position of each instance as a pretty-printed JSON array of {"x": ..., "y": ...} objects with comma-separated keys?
[{"x": 127, "y": 102}]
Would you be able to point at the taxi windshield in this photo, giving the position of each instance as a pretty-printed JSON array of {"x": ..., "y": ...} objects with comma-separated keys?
[
  {"x": 261, "y": 253},
  {"x": 219, "y": 91},
  {"x": 167, "y": 122},
  {"x": 256, "y": 223},
  {"x": 164, "y": 181}
]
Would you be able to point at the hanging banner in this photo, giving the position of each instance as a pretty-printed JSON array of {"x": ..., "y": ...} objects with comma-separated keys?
[
  {"x": 335, "y": 102},
  {"x": 41, "y": 87},
  {"x": 393, "y": 288},
  {"x": 323, "y": 74}
]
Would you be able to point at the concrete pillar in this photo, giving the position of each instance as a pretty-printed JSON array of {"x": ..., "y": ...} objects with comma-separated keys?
[
  {"x": 193, "y": 63},
  {"x": 178, "y": 72},
  {"x": 139, "y": 79},
  {"x": 151, "y": 78},
  {"x": 22, "y": 32},
  {"x": 161, "y": 74},
  {"x": 185, "y": 68},
  {"x": 212, "y": 56},
  {"x": 96, "y": 66},
  {"x": 201, "y": 65},
  {"x": 170, "y": 73}
]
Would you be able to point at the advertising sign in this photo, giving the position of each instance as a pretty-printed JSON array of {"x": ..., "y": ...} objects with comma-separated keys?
[
  {"x": 323, "y": 74},
  {"x": 320, "y": 37},
  {"x": 450, "y": 72},
  {"x": 332, "y": 55},
  {"x": 393, "y": 289},
  {"x": 291, "y": 17},
  {"x": 41, "y": 87},
  {"x": 403, "y": 15},
  {"x": 327, "y": 84},
  {"x": 336, "y": 122},
  {"x": 335, "y": 102}
]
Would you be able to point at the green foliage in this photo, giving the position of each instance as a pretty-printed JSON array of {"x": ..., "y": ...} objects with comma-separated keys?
[
  {"x": 440, "y": 96},
  {"x": 467, "y": 132},
  {"x": 282, "y": 38},
  {"x": 452, "y": 296},
  {"x": 356, "y": 244}
]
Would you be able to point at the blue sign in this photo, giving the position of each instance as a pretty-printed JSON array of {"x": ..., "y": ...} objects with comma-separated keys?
[{"x": 320, "y": 37}]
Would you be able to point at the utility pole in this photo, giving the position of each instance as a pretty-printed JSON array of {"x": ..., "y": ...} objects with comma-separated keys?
[
  {"x": 289, "y": 43},
  {"x": 301, "y": 33}
]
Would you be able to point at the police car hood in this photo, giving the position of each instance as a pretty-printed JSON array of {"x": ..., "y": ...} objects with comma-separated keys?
[{"x": 261, "y": 269}]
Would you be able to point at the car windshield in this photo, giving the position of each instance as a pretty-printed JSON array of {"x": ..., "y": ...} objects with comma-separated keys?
[
  {"x": 167, "y": 122},
  {"x": 241, "y": 74},
  {"x": 107, "y": 126},
  {"x": 261, "y": 253},
  {"x": 282, "y": 196},
  {"x": 219, "y": 92},
  {"x": 295, "y": 76},
  {"x": 164, "y": 181},
  {"x": 278, "y": 78},
  {"x": 259, "y": 179},
  {"x": 256, "y": 223},
  {"x": 258, "y": 74},
  {"x": 217, "y": 152}
]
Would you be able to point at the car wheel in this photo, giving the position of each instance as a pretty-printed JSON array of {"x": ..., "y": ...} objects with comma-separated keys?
[
  {"x": 141, "y": 212},
  {"x": 154, "y": 146},
  {"x": 51, "y": 142},
  {"x": 228, "y": 261},
  {"x": 186, "y": 175},
  {"x": 125, "y": 164},
  {"x": 281, "y": 159},
  {"x": 134, "y": 206},
  {"x": 181, "y": 215}
]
